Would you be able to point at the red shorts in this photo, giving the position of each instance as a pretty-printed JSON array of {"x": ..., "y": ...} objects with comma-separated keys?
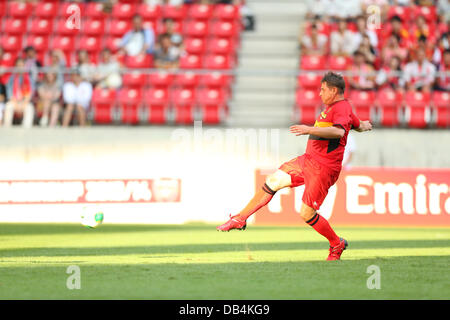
[{"x": 317, "y": 178}]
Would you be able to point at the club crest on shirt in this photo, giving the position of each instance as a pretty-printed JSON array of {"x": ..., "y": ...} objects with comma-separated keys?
[{"x": 323, "y": 115}]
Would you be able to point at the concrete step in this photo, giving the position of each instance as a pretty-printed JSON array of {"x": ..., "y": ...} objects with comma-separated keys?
[
  {"x": 263, "y": 98},
  {"x": 278, "y": 8},
  {"x": 256, "y": 62},
  {"x": 266, "y": 83},
  {"x": 260, "y": 46}
]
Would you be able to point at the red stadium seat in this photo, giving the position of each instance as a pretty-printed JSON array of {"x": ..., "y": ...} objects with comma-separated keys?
[
  {"x": 2, "y": 8},
  {"x": 338, "y": 63},
  {"x": 19, "y": 9},
  {"x": 221, "y": 46},
  {"x": 64, "y": 27},
  {"x": 417, "y": 109},
  {"x": 218, "y": 61},
  {"x": 11, "y": 43},
  {"x": 123, "y": 10},
  {"x": 428, "y": 12},
  {"x": 113, "y": 43},
  {"x": 134, "y": 79},
  {"x": 118, "y": 28},
  {"x": 149, "y": 12},
  {"x": 212, "y": 103},
  {"x": 63, "y": 43},
  {"x": 95, "y": 10},
  {"x": 157, "y": 104},
  {"x": 161, "y": 79},
  {"x": 139, "y": 61},
  {"x": 91, "y": 44},
  {"x": 8, "y": 58},
  {"x": 15, "y": 26},
  {"x": 200, "y": 11},
  {"x": 184, "y": 102},
  {"x": 174, "y": 12},
  {"x": 308, "y": 102},
  {"x": 130, "y": 100},
  {"x": 41, "y": 26},
  {"x": 441, "y": 102},
  {"x": 226, "y": 12},
  {"x": 103, "y": 104},
  {"x": 363, "y": 101},
  {"x": 216, "y": 80},
  {"x": 187, "y": 80},
  {"x": 190, "y": 61},
  {"x": 389, "y": 102},
  {"x": 94, "y": 27},
  {"x": 312, "y": 63},
  {"x": 402, "y": 12},
  {"x": 38, "y": 42},
  {"x": 195, "y": 45},
  {"x": 224, "y": 29},
  {"x": 197, "y": 29},
  {"x": 309, "y": 80},
  {"x": 46, "y": 10}
]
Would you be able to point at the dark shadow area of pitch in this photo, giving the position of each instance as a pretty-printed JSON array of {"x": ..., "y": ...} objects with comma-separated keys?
[
  {"x": 215, "y": 247},
  {"x": 401, "y": 278}
]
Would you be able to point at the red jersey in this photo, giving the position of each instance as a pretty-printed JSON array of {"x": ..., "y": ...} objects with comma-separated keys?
[{"x": 330, "y": 152}]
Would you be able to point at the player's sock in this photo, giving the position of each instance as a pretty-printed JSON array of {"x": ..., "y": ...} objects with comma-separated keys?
[
  {"x": 259, "y": 200},
  {"x": 321, "y": 225}
]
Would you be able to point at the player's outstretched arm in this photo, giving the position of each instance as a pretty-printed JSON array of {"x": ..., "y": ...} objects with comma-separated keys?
[
  {"x": 323, "y": 132},
  {"x": 364, "y": 126}
]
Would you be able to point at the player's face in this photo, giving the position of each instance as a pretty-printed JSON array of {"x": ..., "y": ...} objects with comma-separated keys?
[{"x": 327, "y": 94}]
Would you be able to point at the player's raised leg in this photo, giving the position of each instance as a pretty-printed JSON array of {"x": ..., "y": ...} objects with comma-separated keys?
[
  {"x": 274, "y": 182},
  {"x": 321, "y": 225}
]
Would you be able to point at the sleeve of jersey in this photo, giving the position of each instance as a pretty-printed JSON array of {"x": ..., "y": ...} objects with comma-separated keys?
[
  {"x": 354, "y": 121},
  {"x": 341, "y": 119}
]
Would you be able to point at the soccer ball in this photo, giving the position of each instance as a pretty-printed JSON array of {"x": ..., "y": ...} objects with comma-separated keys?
[{"x": 91, "y": 217}]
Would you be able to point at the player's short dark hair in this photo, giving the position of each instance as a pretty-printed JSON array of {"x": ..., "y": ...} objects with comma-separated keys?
[{"x": 334, "y": 80}]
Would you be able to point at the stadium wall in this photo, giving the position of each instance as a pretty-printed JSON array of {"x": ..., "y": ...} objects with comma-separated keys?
[{"x": 182, "y": 174}]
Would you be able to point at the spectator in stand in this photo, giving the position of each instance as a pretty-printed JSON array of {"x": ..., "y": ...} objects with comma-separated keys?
[
  {"x": 175, "y": 37},
  {"x": 3, "y": 81},
  {"x": 314, "y": 44},
  {"x": 419, "y": 74},
  {"x": 57, "y": 65},
  {"x": 108, "y": 71},
  {"x": 19, "y": 91},
  {"x": 138, "y": 40},
  {"x": 367, "y": 50},
  {"x": 363, "y": 77},
  {"x": 362, "y": 31},
  {"x": 389, "y": 75},
  {"x": 166, "y": 55},
  {"x": 84, "y": 65},
  {"x": 49, "y": 93},
  {"x": 443, "y": 80},
  {"x": 398, "y": 29},
  {"x": 393, "y": 49},
  {"x": 77, "y": 96},
  {"x": 342, "y": 40},
  {"x": 443, "y": 7},
  {"x": 32, "y": 64},
  {"x": 421, "y": 29},
  {"x": 343, "y": 9}
]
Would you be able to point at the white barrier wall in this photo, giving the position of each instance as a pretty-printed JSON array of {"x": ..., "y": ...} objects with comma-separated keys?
[{"x": 201, "y": 173}]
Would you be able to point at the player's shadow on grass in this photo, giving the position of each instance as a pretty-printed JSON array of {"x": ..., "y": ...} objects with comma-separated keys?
[{"x": 216, "y": 247}]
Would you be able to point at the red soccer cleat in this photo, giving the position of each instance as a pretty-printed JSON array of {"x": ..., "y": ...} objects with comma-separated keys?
[
  {"x": 233, "y": 223},
  {"x": 336, "y": 251}
]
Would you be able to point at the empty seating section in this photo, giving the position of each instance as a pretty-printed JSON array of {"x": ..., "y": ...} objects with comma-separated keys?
[{"x": 210, "y": 36}]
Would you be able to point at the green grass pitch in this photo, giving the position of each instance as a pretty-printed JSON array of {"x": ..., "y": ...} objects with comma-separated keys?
[{"x": 196, "y": 262}]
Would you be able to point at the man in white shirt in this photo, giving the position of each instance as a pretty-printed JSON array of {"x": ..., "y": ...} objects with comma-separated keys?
[
  {"x": 420, "y": 73},
  {"x": 342, "y": 41},
  {"x": 77, "y": 96}
]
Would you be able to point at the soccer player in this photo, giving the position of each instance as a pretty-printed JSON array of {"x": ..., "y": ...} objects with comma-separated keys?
[{"x": 318, "y": 169}]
